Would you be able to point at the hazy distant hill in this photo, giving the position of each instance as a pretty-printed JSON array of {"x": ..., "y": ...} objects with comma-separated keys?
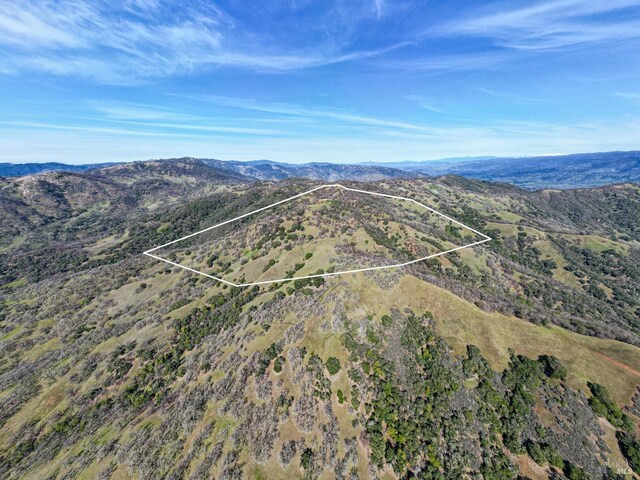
[
  {"x": 20, "y": 169},
  {"x": 256, "y": 169},
  {"x": 561, "y": 171},
  {"x": 518, "y": 356},
  {"x": 268, "y": 170},
  {"x": 533, "y": 173}
]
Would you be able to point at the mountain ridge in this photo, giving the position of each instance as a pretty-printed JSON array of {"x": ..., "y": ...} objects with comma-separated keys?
[
  {"x": 515, "y": 359},
  {"x": 580, "y": 170}
]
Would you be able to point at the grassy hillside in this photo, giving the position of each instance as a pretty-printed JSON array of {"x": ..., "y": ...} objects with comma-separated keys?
[
  {"x": 476, "y": 364},
  {"x": 328, "y": 230}
]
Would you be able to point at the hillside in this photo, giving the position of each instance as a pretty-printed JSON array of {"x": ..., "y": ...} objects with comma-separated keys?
[
  {"x": 516, "y": 357},
  {"x": 555, "y": 171},
  {"x": 21, "y": 169},
  {"x": 533, "y": 173},
  {"x": 327, "y": 229},
  {"x": 254, "y": 170}
]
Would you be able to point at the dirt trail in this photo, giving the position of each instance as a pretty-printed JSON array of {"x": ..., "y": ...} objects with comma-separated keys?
[{"x": 619, "y": 364}]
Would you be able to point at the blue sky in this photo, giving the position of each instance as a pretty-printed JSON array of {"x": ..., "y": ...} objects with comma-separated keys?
[{"x": 85, "y": 81}]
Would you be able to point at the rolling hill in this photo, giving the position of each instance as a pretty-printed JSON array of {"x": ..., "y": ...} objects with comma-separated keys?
[
  {"x": 532, "y": 173},
  {"x": 519, "y": 358},
  {"x": 556, "y": 171}
]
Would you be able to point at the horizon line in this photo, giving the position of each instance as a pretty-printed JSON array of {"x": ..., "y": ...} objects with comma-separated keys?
[{"x": 364, "y": 163}]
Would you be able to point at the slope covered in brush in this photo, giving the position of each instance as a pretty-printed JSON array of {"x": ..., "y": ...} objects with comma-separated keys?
[{"x": 475, "y": 363}]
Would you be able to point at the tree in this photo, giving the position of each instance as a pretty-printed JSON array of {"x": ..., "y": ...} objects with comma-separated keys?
[
  {"x": 333, "y": 365},
  {"x": 306, "y": 458},
  {"x": 603, "y": 405},
  {"x": 630, "y": 448},
  {"x": 552, "y": 367},
  {"x": 574, "y": 473}
]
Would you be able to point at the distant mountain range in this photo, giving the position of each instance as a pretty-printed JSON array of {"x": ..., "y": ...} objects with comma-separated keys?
[
  {"x": 557, "y": 171},
  {"x": 561, "y": 171},
  {"x": 248, "y": 170},
  {"x": 518, "y": 356},
  {"x": 21, "y": 169},
  {"x": 269, "y": 170}
]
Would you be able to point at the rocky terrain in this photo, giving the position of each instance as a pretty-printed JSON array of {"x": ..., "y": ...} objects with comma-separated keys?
[{"x": 518, "y": 358}]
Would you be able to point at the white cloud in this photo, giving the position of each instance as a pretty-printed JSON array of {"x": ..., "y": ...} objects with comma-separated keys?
[
  {"x": 425, "y": 103},
  {"x": 378, "y": 5},
  {"x": 126, "y": 42},
  {"x": 138, "y": 111},
  {"x": 152, "y": 129},
  {"x": 502, "y": 139},
  {"x": 549, "y": 25},
  {"x": 110, "y": 44},
  {"x": 438, "y": 64},
  {"x": 629, "y": 95},
  {"x": 512, "y": 96},
  {"x": 295, "y": 133},
  {"x": 317, "y": 113}
]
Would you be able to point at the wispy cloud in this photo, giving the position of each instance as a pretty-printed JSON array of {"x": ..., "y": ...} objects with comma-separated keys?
[
  {"x": 501, "y": 138},
  {"x": 454, "y": 62},
  {"x": 635, "y": 96},
  {"x": 110, "y": 44},
  {"x": 138, "y": 111},
  {"x": 132, "y": 128},
  {"x": 155, "y": 119},
  {"x": 317, "y": 113},
  {"x": 512, "y": 96},
  {"x": 32, "y": 126},
  {"x": 425, "y": 103},
  {"x": 378, "y": 5},
  {"x": 549, "y": 25},
  {"x": 124, "y": 42}
]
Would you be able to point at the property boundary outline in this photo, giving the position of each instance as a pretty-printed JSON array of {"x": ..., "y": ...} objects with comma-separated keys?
[{"x": 149, "y": 253}]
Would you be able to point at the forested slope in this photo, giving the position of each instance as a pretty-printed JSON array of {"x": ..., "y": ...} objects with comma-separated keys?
[{"x": 517, "y": 357}]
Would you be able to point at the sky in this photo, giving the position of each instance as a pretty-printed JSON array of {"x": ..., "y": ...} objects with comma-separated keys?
[{"x": 86, "y": 81}]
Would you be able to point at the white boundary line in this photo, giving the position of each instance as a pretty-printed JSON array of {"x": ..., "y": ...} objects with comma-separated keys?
[{"x": 333, "y": 185}]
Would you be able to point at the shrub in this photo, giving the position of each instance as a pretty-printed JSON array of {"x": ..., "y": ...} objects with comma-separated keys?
[
  {"x": 333, "y": 365},
  {"x": 574, "y": 473},
  {"x": 630, "y": 448},
  {"x": 604, "y": 406},
  {"x": 306, "y": 458},
  {"x": 271, "y": 263},
  {"x": 267, "y": 356},
  {"x": 277, "y": 365},
  {"x": 552, "y": 367},
  {"x": 535, "y": 452}
]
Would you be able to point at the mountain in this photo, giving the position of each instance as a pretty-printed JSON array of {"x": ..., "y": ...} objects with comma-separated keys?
[
  {"x": 330, "y": 172},
  {"x": 256, "y": 170},
  {"x": 20, "y": 169},
  {"x": 417, "y": 165},
  {"x": 517, "y": 358},
  {"x": 85, "y": 204},
  {"x": 533, "y": 173},
  {"x": 558, "y": 171}
]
